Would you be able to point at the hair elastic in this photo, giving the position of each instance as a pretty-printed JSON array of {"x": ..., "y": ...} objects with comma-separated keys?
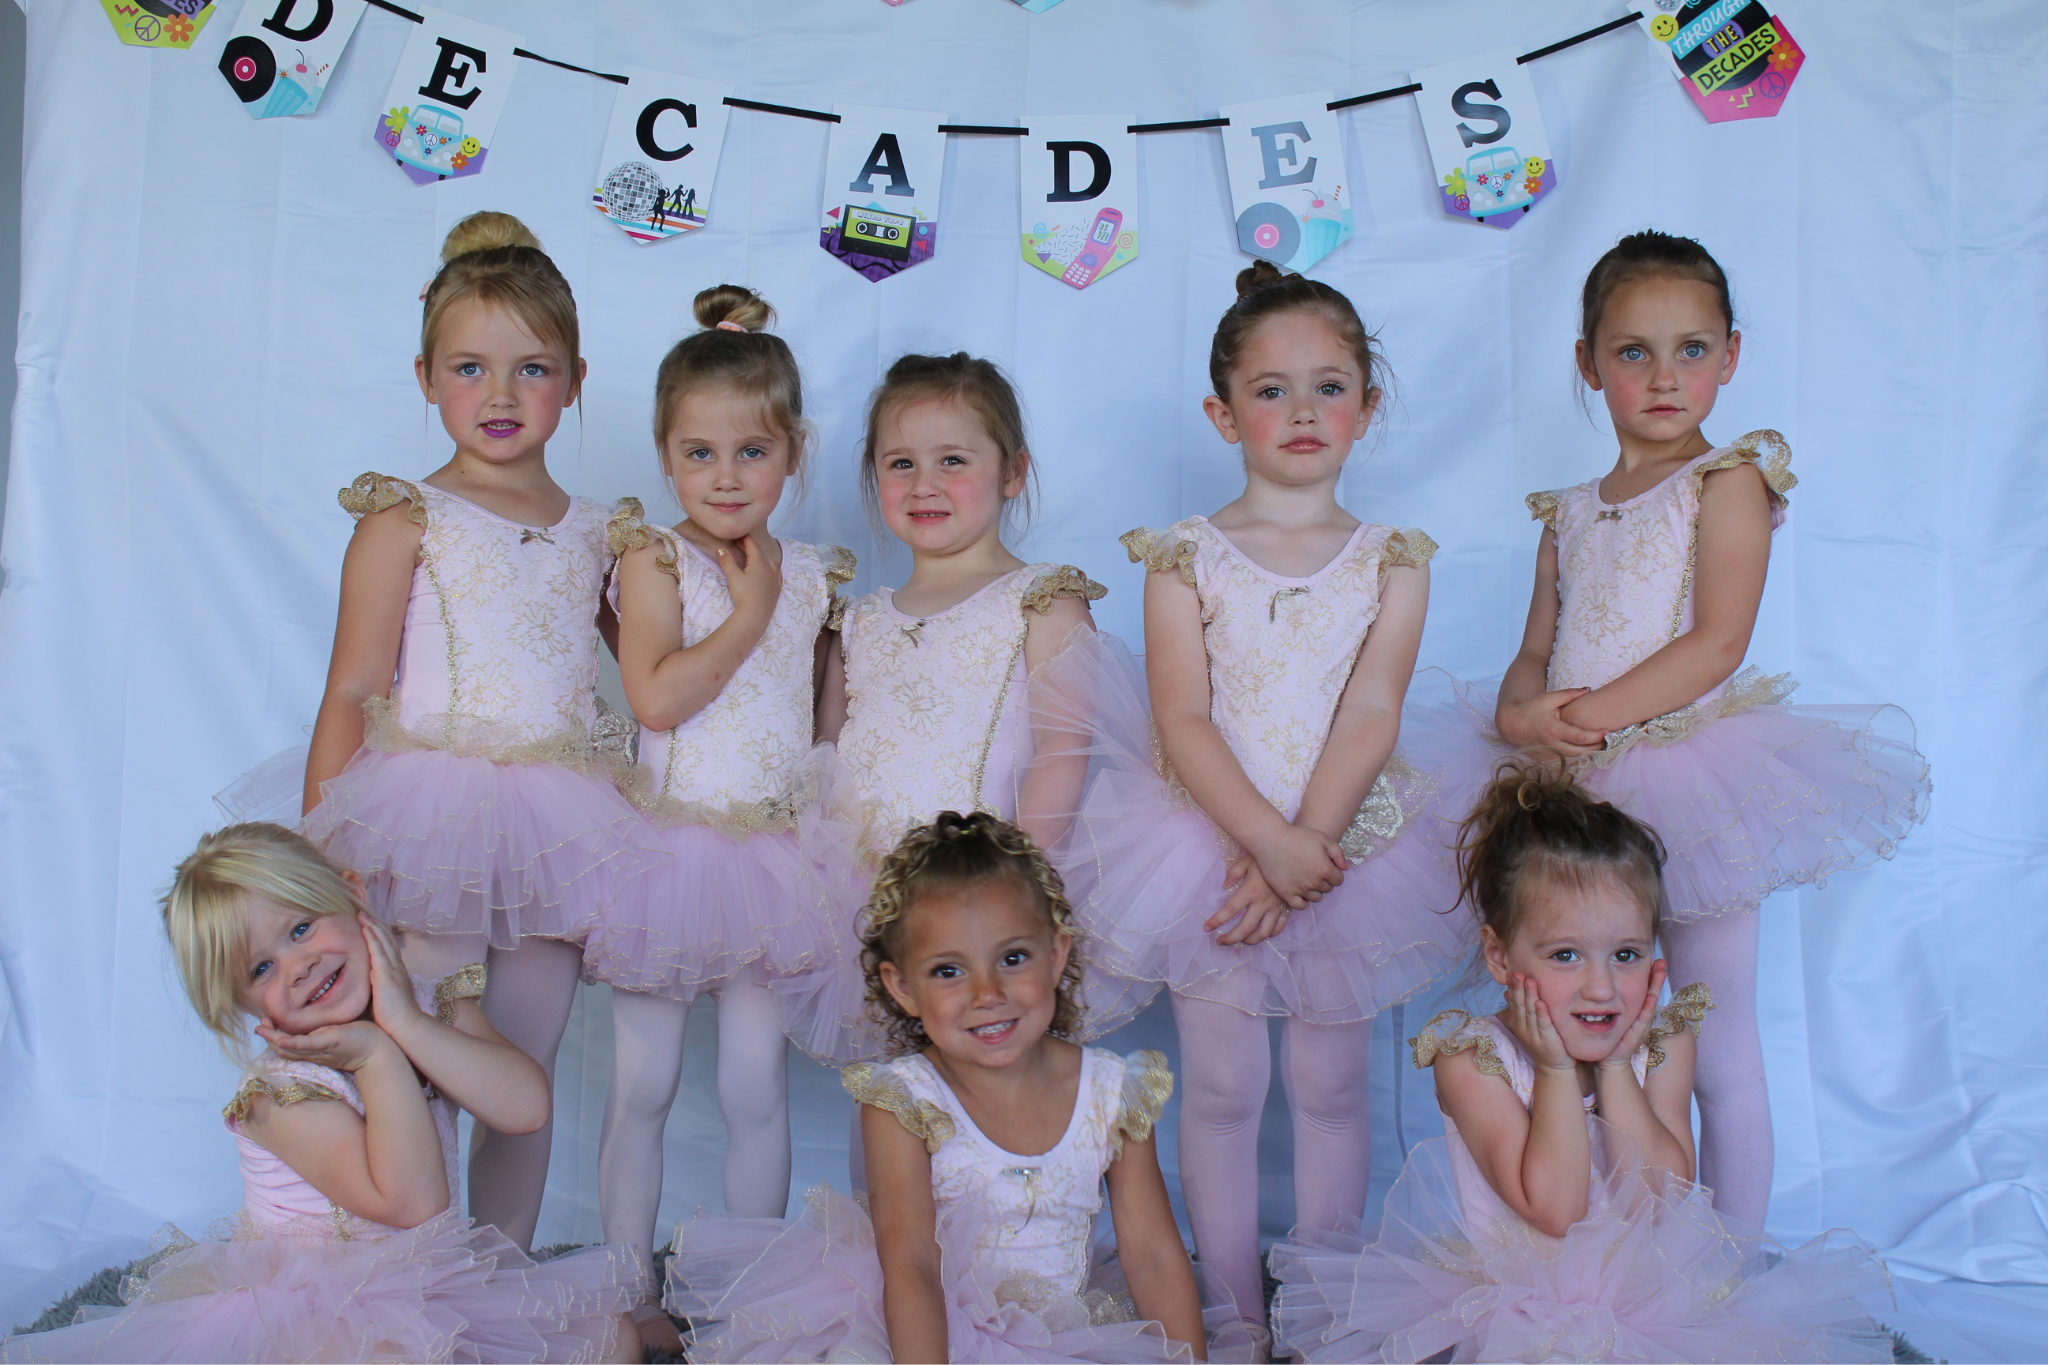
[{"x": 728, "y": 325}]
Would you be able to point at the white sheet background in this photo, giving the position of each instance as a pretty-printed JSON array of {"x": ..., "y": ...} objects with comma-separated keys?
[{"x": 218, "y": 322}]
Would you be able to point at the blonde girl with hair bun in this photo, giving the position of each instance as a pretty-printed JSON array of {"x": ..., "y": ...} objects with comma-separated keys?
[{"x": 350, "y": 1243}]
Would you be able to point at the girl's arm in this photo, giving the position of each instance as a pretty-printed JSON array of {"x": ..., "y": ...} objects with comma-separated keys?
[
  {"x": 1734, "y": 552},
  {"x": 376, "y": 582},
  {"x": 1368, "y": 719},
  {"x": 667, "y": 681},
  {"x": 906, "y": 1237},
  {"x": 1149, "y": 1248},
  {"x": 1525, "y": 713},
  {"x": 1296, "y": 862},
  {"x": 1062, "y": 726},
  {"x": 832, "y": 689},
  {"x": 1658, "y": 1113}
]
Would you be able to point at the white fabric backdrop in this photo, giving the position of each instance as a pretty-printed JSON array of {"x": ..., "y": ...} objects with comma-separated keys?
[{"x": 218, "y": 320}]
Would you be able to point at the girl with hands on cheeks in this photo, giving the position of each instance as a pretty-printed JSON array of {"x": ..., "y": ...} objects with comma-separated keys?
[
  {"x": 1557, "y": 1218},
  {"x": 350, "y": 1243}
]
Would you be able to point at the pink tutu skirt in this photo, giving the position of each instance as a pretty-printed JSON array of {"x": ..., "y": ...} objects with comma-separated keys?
[
  {"x": 1156, "y": 871},
  {"x": 1645, "y": 1276},
  {"x": 810, "y": 1289},
  {"x": 1760, "y": 795},
  {"x": 447, "y": 1290}
]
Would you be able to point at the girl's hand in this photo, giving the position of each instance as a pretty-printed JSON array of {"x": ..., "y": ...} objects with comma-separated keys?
[
  {"x": 1529, "y": 1021},
  {"x": 1638, "y": 1030},
  {"x": 1539, "y": 723},
  {"x": 1259, "y": 913},
  {"x": 344, "y": 1047},
  {"x": 392, "y": 1003},
  {"x": 1300, "y": 864},
  {"x": 751, "y": 576}
]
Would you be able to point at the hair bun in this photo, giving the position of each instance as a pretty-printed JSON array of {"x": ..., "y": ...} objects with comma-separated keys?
[
  {"x": 732, "y": 303},
  {"x": 484, "y": 231},
  {"x": 1258, "y": 275}
]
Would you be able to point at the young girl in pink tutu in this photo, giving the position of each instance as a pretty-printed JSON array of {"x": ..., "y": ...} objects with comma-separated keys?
[
  {"x": 1647, "y": 585},
  {"x": 1277, "y": 870},
  {"x": 989, "y": 1138},
  {"x": 980, "y": 684},
  {"x": 1557, "y": 1218},
  {"x": 720, "y": 630},
  {"x": 467, "y": 793},
  {"x": 350, "y": 1244}
]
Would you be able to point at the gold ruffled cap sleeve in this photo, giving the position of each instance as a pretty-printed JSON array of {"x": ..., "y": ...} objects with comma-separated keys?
[
  {"x": 373, "y": 492},
  {"x": 1062, "y": 580},
  {"x": 840, "y": 565},
  {"x": 1543, "y": 508},
  {"x": 1406, "y": 548},
  {"x": 1765, "y": 449},
  {"x": 1686, "y": 1012},
  {"x": 884, "y": 1089},
  {"x": 465, "y": 983},
  {"x": 1455, "y": 1031},
  {"x": 1161, "y": 551},
  {"x": 1148, "y": 1084},
  {"x": 288, "y": 1091},
  {"x": 627, "y": 531}
]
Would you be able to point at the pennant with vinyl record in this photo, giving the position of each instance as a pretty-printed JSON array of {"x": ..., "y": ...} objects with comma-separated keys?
[
  {"x": 443, "y": 105},
  {"x": 158, "y": 23},
  {"x": 661, "y": 154},
  {"x": 1734, "y": 57},
  {"x": 282, "y": 51},
  {"x": 1080, "y": 196},
  {"x": 1286, "y": 168},
  {"x": 1485, "y": 134},
  {"x": 883, "y": 173}
]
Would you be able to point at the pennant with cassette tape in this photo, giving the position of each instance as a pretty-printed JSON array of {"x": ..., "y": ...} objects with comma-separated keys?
[
  {"x": 1080, "y": 196},
  {"x": 1286, "y": 168},
  {"x": 661, "y": 154},
  {"x": 1734, "y": 57},
  {"x": 1485, "y": 134},
  {"x": 282, "y": 51},
  {"x": 883, "y": 172},
  {"x": 159, "y": 23},
  {"x": 445, "y": 97}
]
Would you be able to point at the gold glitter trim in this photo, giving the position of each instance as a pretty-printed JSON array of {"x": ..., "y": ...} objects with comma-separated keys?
[
  {"x": 478, "y": 737},
  {"x": 1543, "y": 507},
  {"x": 1161, "y": 551},
  {"x": 1406, "y": 548},
  {"x": 1148, "y": 1084},
  {"x": 1749, "y": 689},
  {"x": 465, "y": 983},
  {"x": 374, "y": 492},
  {"x": 1433, "y": 1043},
  {"x": 626, "y": 532},
  {"x": 279, "y": 1092},
  {"x": 840, "y": 565},
  {"x": 880, "y": 1087},
  {"x": 1397, "y": 794},
  {"x": 1776, "y": 467},
  {"x": 1062, "y": 581},
  {"x": 1687, "y": 1010}
]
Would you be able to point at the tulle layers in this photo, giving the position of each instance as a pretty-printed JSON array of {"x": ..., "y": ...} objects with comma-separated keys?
[
  {"x": 1648, "y": 1275},
  {"x": 447, "y": 1290},
  {"x": 810, "y": 1289}
]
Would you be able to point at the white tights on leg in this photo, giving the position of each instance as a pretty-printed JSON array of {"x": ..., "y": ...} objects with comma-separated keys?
[
  {"x": 527, "y": 998},
  {"x": 1737, "y": 1152}
]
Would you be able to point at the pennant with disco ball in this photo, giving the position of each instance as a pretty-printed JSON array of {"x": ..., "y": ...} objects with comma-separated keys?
[
  {"x": 282, "y": 51},
  {"x": 661, "y": 154},
  {"x": 1080, "y": 196},
  {"x": 1485, "y": 134},
  {"x": 1734, "y": 57},
  {"x": 443, "y": 105},
  {"x": 158, "y": 23},
  {"x": 1286, "y": 168},
  {"x": 883, "y": 172}
]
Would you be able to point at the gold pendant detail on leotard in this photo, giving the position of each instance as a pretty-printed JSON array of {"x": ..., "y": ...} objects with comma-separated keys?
[
  {"x": 910, "y": 633},
  {"x": 529, "y": 534},
  {"x": 1029, "y": 1175},
  {"x": 1273, "y": 607},
  {"x": 1610, "y": 514}
]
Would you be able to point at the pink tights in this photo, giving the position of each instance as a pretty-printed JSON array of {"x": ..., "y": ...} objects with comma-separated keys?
[
  {"x": 1226, "y": 1066},
  {"x": 1736, "y": 1151}
]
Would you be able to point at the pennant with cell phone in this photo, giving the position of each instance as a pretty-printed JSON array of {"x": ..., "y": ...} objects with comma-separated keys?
[
  {"x": 282, "y": 51},
  {"x": 1485, "y": 134},
  {"x": 1286, "y": 167},
  {"x": 159, "y": 23},
  {"x": 661, "y": 154},
  {"x": 443, "y": 105},
  {"x": 1080, "y": 196},
  {"x": 884, "y": 169},
  {"x": 1734, "y": 57}
]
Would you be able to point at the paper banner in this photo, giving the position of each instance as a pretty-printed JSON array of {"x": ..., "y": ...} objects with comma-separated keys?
[
  {"x": 661, "y": 154},
  {"x": 444, "y": 100},
  {"x": 1080, "y": 196},
  {"x": 883, "y": 172},
  {"x": 282, "y": 52},
  {"x": 159, "y": 23},
  {"x": 1038, "y": 6},
  {"x": 1734, "y": 57},
  {"x": 1485, "y": 133},
  {"x": 1286, "y": 166}
]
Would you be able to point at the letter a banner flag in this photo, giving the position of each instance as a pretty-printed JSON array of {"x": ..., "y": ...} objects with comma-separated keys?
[
  {"x": 1485, "y": 134},
  {"x": 443, "y": 105},
  {"x": 883, "y": 172},
  {"x": 1734, "y": 57},
  {"x": 282, "y": 51},
  {"x": 661, "y": 154},
  {"x": 1286, "y": 168},
  {"x": 1080, "y": 196}
]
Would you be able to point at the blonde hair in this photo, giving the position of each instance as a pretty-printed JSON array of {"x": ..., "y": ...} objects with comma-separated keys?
[
  {"x": 492, "y": 258},
  {"x": 203, "y": 913},
  {"x": 741, "y": 353}
]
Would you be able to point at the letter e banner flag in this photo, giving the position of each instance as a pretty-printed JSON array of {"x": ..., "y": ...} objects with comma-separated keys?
[
  {"x": 1286, "y": 168},
  {"x": 443, "y": 104}
]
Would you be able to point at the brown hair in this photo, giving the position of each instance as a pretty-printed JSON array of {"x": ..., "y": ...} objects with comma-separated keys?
[
  {"x": 960, "y": 378},
  {"x": 1265, "y": 291},
  {"x": 746, "y": 356},
  {"x": 1534, "y": 820},
  {"x": 1646, "y": 253},
  {"x": 958, "y": 850},
  {"x": 492, "y": 258}
]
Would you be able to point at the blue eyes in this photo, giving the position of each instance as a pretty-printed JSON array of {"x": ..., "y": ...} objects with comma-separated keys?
[
  {"x": 1692, "y": 350},
  {"x": 295, "y": 933},
  {"x": 1632, "y": 353},
  {"x": 1329, "y": 388},
  {"x": 469, "y": 369},
  {"x": 533, "y": 369},
  {"x": 1622, "y": 955}
]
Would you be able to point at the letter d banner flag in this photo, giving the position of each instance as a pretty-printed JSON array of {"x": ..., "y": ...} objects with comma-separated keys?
[
  {"x": 1485, "y": 133},
  {"x": 442, "y": 109},
  {"x": 883, "y": 172},
  {"x": 282, "y": 51},
  {"x": 1286, "y": 168},
  {"x": 1080, "y": 196}
]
